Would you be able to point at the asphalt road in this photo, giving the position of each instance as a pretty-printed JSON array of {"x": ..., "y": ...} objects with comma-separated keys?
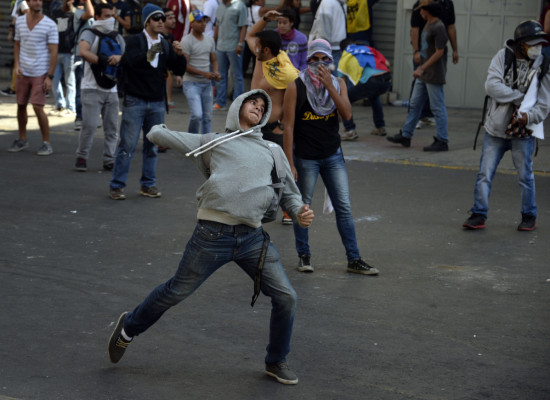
[{"x": 453, "y": 314}]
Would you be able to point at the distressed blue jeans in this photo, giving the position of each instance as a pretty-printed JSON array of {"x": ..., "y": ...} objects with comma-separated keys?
[
  {"x": 64, "y": 68},
  {"x": 137, "y": 114},
  {"x": 228, "y": 59},
  {"x": 211, "y": 246},
  {"x": 335, "y": 177},
  {"x": 522, "y": 157}
]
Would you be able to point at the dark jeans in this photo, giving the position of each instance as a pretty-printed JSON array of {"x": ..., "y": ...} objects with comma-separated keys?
[
  {"x": 212, "y": 246},
  {"x": 372, "y": 89}
]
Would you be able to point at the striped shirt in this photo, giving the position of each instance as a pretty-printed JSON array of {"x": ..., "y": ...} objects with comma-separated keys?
[{"x": 34, "y": 54}]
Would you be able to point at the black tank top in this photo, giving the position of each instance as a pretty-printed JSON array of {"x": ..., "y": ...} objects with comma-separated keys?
[{"x": 315, "y": 136}]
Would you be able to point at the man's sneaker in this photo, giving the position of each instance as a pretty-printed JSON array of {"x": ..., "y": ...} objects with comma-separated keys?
[
  {"x": 361, "y": 267},
  {"x": 150, "y": 191},
  {"x": 437, "y": 145},
  {"x": 400, "y": 139},
  {"x": 282, "y": 373},
  {"x": 428, "y": 121},
  {"x": 78, "y": 124},
  {"x": 117, "y": 344},
  {"x": 117, "y": 194},
  {"x": 44, "y": 150},
  {"x": 349, "y": 135},
  {"x": 18, "y": 145},
  {"x": 476, "y": 221},
  {"x": 528, "y": 222},
  {"x": 305, "y": 265},
  {"x": 286, "y": 219},
  {"x": 80, "y": 164},
  {"x": 379, "y": 131},
  {"x": 56, "y": 111},
  {"x": 217, "y": 107},
  {"x": 418, "y": 125},
  {"x": 66, "y": 113},
  {"x": 7, "y": 92},
  {"x": 108, "y": 166}
]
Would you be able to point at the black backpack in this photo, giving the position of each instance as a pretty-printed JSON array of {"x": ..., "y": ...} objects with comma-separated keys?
[{"x": 136, "y": 24}]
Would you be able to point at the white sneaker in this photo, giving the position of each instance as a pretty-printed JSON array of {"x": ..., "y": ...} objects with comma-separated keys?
[
  {"x": 56, "y": 111},
  {"x": 349, "y": 135},
  {"x": 66, "y": 113},
  {"x": 428, "y": 121},
  {"x": 44, "y": 150},
  {"x": 418, "y": 125}
]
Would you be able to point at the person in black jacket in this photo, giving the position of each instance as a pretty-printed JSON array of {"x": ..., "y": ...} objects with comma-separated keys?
[{"x": 147, "y": 58}]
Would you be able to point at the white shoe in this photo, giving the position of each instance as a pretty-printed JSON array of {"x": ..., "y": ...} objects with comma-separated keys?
[
  {"x": 55, "y": 112},
  {"x": 428, "y": 121},
  {"x": 44, "y": 150},
  {"x": 66, "y": 113},
  {"x": 349, "y": 135}
]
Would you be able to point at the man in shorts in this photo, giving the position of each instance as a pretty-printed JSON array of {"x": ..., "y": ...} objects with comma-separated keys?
[{"x": 35, "y": 58}]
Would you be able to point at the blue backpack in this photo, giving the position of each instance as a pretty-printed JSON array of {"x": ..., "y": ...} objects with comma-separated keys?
[{"x": 105, "y": 74}]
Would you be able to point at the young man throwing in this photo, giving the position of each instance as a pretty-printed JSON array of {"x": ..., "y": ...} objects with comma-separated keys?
[{"x": 232, "y": 203}]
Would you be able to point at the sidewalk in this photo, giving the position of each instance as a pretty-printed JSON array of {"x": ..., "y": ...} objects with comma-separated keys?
[{"x": 462, "y": 127}]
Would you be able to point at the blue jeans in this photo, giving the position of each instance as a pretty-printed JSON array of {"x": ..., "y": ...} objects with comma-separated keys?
[
  {"x": 426, "y": 111},
  {"x": 212, "y": 246},
  {"x": 335, "y": 177},
  {"x": 64, "y": 67},
  {"x": 137, "y": 113},
  {"x": 199, "y": 99},
  {"x": 372, "y": 89},
  {"x": 421, "y": 92},
  {"x": 491, "y": 154},
  {"x": 225, "y": 60}
]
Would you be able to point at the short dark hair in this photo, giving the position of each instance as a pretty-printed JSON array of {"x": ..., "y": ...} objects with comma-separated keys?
[
  {"x": 167, "y": 10},
  {"x": 271, "y": 40},
  {"x": 98, "y": 9},
  {"x": 288, "y": 13},
  {"x": 255, "y": 96}
]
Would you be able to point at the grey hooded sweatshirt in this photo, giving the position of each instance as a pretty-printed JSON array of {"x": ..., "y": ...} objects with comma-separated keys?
[
  {"x": 504, "y": 98},
  {"x": 237, "y": 189}
]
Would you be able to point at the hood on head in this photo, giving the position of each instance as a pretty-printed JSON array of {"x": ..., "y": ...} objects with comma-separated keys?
[{"x": 232, "y": 122}]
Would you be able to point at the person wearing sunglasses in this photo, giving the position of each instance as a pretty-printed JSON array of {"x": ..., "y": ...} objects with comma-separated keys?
[{"x": 147, "y": 59}]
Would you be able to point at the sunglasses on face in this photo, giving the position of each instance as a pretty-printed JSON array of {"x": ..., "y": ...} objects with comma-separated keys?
[{"x": 158, "y": 17}]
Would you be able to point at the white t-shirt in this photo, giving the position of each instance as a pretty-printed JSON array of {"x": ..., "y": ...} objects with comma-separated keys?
[
  {"x": 210, "y": 8},
  {"x": 34, "y": 54}
]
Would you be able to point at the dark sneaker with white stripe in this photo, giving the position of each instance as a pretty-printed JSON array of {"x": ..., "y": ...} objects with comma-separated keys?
[
  {"x": 305, "y": 265},
  {"x": 476, "y": 221},
  {"x": 150, "y": 191},
  {"x": 117, "y": 344},
  {"x": 282, "y": 373},
  {"x": 18, "y": 145},
  {"x": 528, "y": 222},
  {"x": 359, "y": 266}
]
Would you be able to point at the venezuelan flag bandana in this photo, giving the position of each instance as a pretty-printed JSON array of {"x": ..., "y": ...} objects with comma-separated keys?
[
  {"x": 355, "y": 58},
  {"x": 279, "y": 71}
]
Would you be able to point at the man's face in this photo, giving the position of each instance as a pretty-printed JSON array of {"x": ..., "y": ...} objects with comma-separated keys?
[
  {"x": 251, "y": 113},
  {"x": 106, "y": 13},
  {"x": 199, "y": 26},
  {"x": 35, "y": 5},
  {"x": 284, "y": 25},
  {"x": 170, "y": 20},
  {"x": 155, "y": 23}
]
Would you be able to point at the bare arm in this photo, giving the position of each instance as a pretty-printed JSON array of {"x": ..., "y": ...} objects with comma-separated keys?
[
  {"x": 85, "y": 53},
  {"x": 88, "y": 10},
  {"x": 451, "y": 31},
  {"x": 214, "y": 64},
  {"x": 16, "y": 48},
  {"x": 547, "y": 23},
  {"x": 429, "y": 62},
  {"x": 126, "y": 22},
  {"x": 415, "y": 32},
  {"x": 289, "y": 115},
  {"x": 52, "y": 48},
  {"x": 240, "y": 48}
]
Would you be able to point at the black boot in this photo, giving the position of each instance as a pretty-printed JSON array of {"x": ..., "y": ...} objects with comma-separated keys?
[
  {"x": 400, "y": 139},
  {"x": 437, "y": 145}
]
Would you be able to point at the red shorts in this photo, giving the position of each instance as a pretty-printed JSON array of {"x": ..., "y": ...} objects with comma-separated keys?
[{"x": 30, "y": 87}]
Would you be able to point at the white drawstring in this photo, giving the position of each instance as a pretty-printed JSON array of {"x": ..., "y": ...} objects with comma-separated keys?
[{"x": 216, "y": 142}]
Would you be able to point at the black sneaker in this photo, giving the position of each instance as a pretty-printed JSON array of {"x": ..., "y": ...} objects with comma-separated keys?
[
  {"x": 117, "y": 194},
  {"x": 282, "y": 373},
  {"x": 108, "y": 166},
  {"x": 305, "y": 265},
  {"x": 80, "y": 164},
  {"x": 117, "y": 344},
  {"x": 359, "y": 266},
  {"x": 528, "y": 222},
  {"x": 150, "y": 191},
  {"x": 7, "y": 92},
  {"x": 476, "y": 221},
  {"x": 400, "y": 139},
  {"x": 437, "y": 145}
]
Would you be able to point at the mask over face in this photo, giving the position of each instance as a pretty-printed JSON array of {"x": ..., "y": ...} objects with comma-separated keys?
[
  {"x": 314, "y": 66},
  {"x": 534, "y": 51},
  {"x": 105, "y": 25}
]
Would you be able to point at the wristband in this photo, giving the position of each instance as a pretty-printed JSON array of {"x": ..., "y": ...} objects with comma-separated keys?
[
  {"x": 50, "y": 76},
  {"x": 241, "y": 44},
  {"x": 265, "y": 19}
]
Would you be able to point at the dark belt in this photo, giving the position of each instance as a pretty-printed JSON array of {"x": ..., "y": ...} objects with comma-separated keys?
[{"x": 241, "y": 228}]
